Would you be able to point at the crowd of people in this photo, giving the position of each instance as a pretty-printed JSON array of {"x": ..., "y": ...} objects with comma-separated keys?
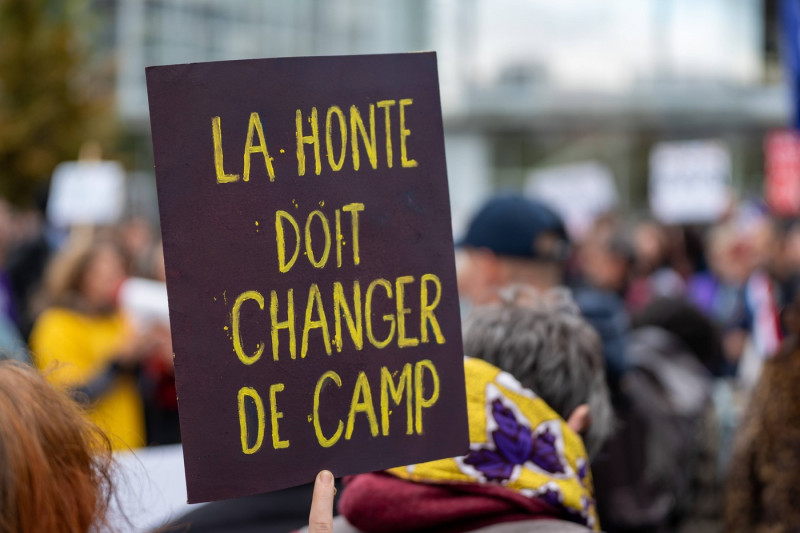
[
  {"x": 64, "y": 315},
  {"x": 636, "y": 378}
]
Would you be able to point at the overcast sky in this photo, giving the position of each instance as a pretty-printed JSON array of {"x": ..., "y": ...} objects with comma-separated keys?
[{"x": 604, "y": 45}]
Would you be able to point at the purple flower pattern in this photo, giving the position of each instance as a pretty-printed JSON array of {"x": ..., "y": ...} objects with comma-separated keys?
[
  {"x": 514, "y": 444},
  {"x": 551, "y": 497}
]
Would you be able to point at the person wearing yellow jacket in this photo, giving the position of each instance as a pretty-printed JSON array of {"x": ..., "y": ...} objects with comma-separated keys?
[{"x": 83, "y": 344}]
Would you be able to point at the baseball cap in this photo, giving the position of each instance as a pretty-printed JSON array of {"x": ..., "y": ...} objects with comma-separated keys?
[{"x": 516, "y": 226}]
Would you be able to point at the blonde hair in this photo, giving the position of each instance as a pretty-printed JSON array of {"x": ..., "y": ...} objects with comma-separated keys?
[{"x": 64, "y": 275}]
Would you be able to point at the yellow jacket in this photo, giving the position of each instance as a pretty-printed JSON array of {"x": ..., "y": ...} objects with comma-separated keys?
[{"x": 72, "y": 349}]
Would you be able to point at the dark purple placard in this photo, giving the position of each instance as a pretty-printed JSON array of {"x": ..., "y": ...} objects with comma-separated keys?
[{"x": 374, "y": 378}]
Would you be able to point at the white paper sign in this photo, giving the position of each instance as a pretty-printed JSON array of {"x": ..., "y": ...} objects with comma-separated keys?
[
  {"x": 86, "y": 192},
  {"x": 579, "y": 192},
  {"x": 149, "y": 489},
  {"x": 144, "y": 301},
  {"x": 689, "y": 181}
]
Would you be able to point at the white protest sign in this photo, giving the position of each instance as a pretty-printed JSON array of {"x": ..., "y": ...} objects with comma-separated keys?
[
  {"x": 145, "y": 301},
  {"x": 689, "y": 181},
  {"x": 86, "y": 192},
  {"x": 579, "y": 192}
]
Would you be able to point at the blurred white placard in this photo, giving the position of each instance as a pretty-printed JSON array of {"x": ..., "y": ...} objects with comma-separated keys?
[
  {"x": 689, "y": 181},
  {"x": 86, "y": 192},
  {"x": 145, "y": 301},
  {"x": 149, "y": 489},
  {"x": 579, "y": 193}
]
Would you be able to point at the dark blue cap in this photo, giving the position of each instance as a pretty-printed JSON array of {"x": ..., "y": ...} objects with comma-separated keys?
[{"x": 518, "y": 227}]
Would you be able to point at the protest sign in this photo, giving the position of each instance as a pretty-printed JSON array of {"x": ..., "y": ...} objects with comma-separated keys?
[
  {"x": 310, "y": 269},
  {"x": 144, "y": 301},
  {"x": 86, "y": 192},
  {"x": 782, "y": 166},
  {"x": 579, "y": 192},
  {"x": 689, "y": 181}
]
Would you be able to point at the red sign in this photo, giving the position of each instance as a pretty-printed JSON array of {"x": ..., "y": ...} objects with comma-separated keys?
[{"x": 782, "y": 180}]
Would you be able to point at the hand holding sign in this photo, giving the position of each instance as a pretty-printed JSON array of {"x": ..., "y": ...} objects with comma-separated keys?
[
  {"x": 310, "y": 268},
  {"x": 320, "y": 518}
]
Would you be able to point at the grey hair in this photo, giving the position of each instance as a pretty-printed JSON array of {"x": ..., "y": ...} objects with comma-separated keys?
[{"x": 542, "y": 340}]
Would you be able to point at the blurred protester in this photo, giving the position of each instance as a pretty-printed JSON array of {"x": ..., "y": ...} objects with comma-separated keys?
[
  {"x": 144, "y": 301},
  {"x": 762, "y": 295},
  {"x": 739, "y": 294},
  {"x": 27, "y": 262},
  {"x": 86, "y": 345},
  {"x": 606, "y": 262},
  {"x": 653, "y": 275},
  {"x": 695, "y": 332},
  {"x": 650, "y": 244},
  {"x": 515, "y": 240},
  {"x": 785, "y": 259},
  {"x": 55, "y": 464},
  {"x": 162, "y": 405},
  {"x": 659, "y": 471},
  {"x": 730, "y": 264},
  {"x": 720, "y": 292},
  {"x": 11, "y": 344},
  {"x": 511, "y": 240},
  {"x": 685, "y": 251},
  {"x": 160, "y": 393},
  {"x": 536, "y": 400},
  {"x": 763, "y": 485},
  {"x": 140, "y": 245}
]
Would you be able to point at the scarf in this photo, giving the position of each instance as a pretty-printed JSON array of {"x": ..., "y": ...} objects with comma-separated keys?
[{"x": 524, "y": 462}]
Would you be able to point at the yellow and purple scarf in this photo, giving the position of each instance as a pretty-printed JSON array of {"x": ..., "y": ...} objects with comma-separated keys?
[{"x": 519, "y": 443}]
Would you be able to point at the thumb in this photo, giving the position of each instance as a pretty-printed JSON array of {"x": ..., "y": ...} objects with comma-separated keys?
[{"x": 320, "y": 519}]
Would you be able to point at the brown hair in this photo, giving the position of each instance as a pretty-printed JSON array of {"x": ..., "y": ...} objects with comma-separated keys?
[
  {"x": 54, "y": 464},
  {"x": 65, "y": 273}
]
